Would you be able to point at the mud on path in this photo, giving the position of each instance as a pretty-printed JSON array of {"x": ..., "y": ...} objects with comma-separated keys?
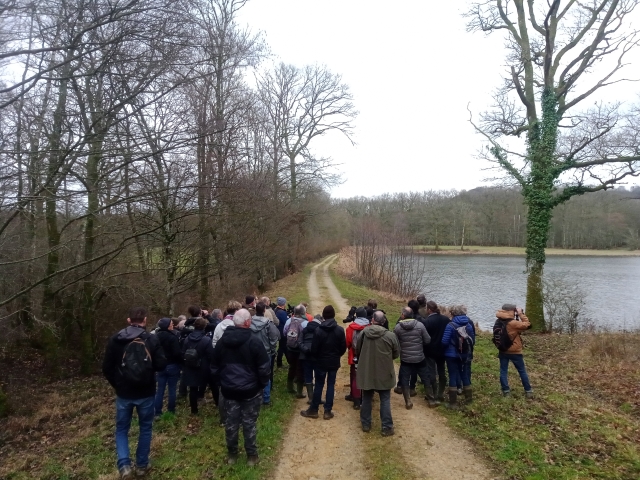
[{"x": 319, "y": 449}]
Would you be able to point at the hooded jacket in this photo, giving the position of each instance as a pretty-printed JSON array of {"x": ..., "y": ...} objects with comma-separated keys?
[
  {"x": 266, "y": 332},
  {"x": 328, "y": 345},
  {"x": 412, "y": 337},
  {"x": 435, "y": 325},
  {"x": 308, "y": 333},
  {"x": 113, "y": 359},
  {"x": 171, "y": 346},
  {"x": 514, "y": 329},
  {"x": 241, "y": 364},
  {"x": 222, "y": 326},
  {"x": 271, "y": 315},
  {"x": 357, "y": 325},
  {"x": 376, "y": 349},
  {"x": 198, "y": 377},
  {"x": 448, "y": 337}
]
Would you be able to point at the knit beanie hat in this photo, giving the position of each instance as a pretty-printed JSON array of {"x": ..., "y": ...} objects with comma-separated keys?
[
  {"x": 508, "y": 307},
  {"x": 281, "y": 301},
  {"x": 163, "y": 323},
  {"x": 328, "y": 313},
  {"x": 361, "y": 312},
  {"x": 248, "y": 300}
]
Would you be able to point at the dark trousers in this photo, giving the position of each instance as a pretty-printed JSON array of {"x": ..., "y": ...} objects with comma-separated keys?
[
  {"x": 409, "y": 370},
  {"x": 385, "y": 408},
  {"x": 459, "y": 371},
  {"x": 282, "y": 349},
  {"x": 307, "y": 370},
  {"x": 295, "y": 366},
  {"x": 355, "y": 391},
  {"x": 194, "y": 394},
  {"x": 245, "y": 413},
  {"x": 213, "y": 386},
  {"x": 440, "y": 367},
  {"x": 321, "y": 375}
]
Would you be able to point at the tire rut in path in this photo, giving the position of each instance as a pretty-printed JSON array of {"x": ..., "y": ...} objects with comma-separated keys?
[{"x": 323, "y": 449}]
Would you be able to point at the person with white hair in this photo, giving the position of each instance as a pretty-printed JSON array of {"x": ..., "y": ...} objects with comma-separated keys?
[{"x": 242, "y": 366}]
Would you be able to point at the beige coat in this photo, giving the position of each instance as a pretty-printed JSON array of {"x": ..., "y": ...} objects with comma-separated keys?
[{"x": 514, "y": 328}]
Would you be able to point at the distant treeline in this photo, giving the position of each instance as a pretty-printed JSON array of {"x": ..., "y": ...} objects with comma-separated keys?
[{"x": 494, "y": 216}]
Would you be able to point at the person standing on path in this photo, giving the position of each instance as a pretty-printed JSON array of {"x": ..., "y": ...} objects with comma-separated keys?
[
  {"x": 171, "y": 374},
  {"x": 376, "y": 349},
  {"x": 264, "y": 329},
  {"x": 242, "y": 365},
  {"x": 435, "y": 323},
  {"x": 130, "y": 361},
  {"x": 293, "y": 333},
  {"x": 306, "y": 358},
  {"x": 282, "y": 316},
  {"x": 412, "y": 337},
  {"x": 458, "y": 339},
  {"x": 328, "y": 345},
  {"x": 197, "y": 353},
  {"x": 354, "y": 330},
  {"x": 515, "y": 322}
]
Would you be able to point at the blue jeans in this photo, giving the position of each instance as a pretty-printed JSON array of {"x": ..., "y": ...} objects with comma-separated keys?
[
  {"x": 459, "y": 371},
  {"x": 518, "y": 362},
  {"x": 385, "y": 408},
  {"x": 124, "y": 412},
  {"x": 168, "y": 377},
  {"x": 321, "y": 375}
]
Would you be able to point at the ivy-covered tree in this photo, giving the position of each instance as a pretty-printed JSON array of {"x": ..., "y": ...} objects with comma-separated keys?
[{"x": 559, "y": 54}]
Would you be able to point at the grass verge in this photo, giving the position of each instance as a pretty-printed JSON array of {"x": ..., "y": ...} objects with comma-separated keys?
[
  {"x": 480, "y": 250},
  {"x": 68, "y": 431},
  {"x": 585, "y": 420}
]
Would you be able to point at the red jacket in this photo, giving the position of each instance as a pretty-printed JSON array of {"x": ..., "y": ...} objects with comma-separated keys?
[{"x": 350, "y": 347}]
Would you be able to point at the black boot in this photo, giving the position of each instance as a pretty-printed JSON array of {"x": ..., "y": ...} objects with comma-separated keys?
[
  {"x": 430, "y": 397},
  {"x": 290, "y": 388},
  {"x": 309, "y": 392},
  {"x": 406, "y": 393},
  {"x": 299, "y": 390},
  {"x": 468, "y": 394},
  {"x": 453, "y": 398}
]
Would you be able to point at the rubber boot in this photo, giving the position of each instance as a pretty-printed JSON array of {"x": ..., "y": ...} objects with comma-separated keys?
[
  {"x": 442, "y": 386},
  {"x": 412, "y": 392},
  {"x": 357, "y": 403},
  {"x": 453, "y": 398},
  {"x": 299, "y": 390},
  {"x": 406, "y": 392},
  {"x": 309, "y": 392},
  {"x": 430, "y": 397},
  {"x": 290, "y": 388},
  {"x": 468, "y": 394}
]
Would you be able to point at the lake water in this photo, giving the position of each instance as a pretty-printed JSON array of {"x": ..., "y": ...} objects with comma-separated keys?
[{"x": 484, "y": 282}]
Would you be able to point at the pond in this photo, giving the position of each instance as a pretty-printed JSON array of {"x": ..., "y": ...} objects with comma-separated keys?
[{"x": 484, "y": 282}]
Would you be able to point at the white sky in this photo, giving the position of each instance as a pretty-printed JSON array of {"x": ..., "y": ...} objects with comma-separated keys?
[{"x": 412, "y": 69}]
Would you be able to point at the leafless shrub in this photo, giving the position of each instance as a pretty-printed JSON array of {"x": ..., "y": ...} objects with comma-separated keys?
[{"x": 564, "y": 303}]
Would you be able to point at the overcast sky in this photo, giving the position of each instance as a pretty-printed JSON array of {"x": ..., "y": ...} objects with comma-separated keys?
[{"x": 412, "y": 69}]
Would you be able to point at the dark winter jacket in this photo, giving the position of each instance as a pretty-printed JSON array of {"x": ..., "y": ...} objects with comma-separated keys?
[
  {"x": 211, "y": 326},
  {"x": 241, "y": 364},
  {"x": 266, "y": 332},
  {"x": 435, "y": 324},
  {"x": 328, "y": 345},
  {"x": 448, "y": 336},
  {"x": 198, "y": 377},
  {"x": 307, "y": 339},
  {"x": 113, "y": 359},
  {"x": 187, "y": 329},
  {"x": 281, "y": 315},
  {"x": 171, "y": 346},
  {"x": 412, "y": 337}
]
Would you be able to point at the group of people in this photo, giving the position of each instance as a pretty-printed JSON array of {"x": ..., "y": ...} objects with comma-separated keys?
[{"x": 234, "y": 353}]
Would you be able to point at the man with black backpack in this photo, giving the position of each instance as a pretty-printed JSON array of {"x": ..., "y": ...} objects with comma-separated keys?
[
  {"x": 510, "y": 323},
  {"x": 197, "y": 353},
  {"x": 293, "y": 333},
  {"x": 130, "y": 361}
]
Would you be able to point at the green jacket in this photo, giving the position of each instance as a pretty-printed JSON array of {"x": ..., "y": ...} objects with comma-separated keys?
[{"x": 376, "y": 349}]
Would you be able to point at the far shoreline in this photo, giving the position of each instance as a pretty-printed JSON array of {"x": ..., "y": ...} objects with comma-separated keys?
[{"x": 520, "y": 251}]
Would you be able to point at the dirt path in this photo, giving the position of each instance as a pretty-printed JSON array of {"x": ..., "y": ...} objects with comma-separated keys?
[{"x": 318, "y": 449}]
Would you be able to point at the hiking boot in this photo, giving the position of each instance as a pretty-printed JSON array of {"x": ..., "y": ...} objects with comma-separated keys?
[
  {"x": 349, "y": 398},
  {"x": 328, "y": 415},
  {"x": 413, "y": 392},
  {"x": 440, "y": 389},
  {"x": 142, "y": 471},
  {"x": 529, "y": 395},
  {"x": 309, "y": 387},
  {"x": 506, "y": 393},
  {"x": 290, "y": 388},
  {"x": 125, "y": 472},
  {"x": 468, "y": 394},
  {"x": 232, "y": 459},
  {"x": 357, "y": 402},
  {"x": 387, "y": 432},
  {"x": 366, "y": 428},
  {"x": 406, "y": 393},
  {"x": 308, "y": 413},
  {"x": 299, "y": 392},
  {"x": 252, "y": 460},
  {"x": 453, "y": 399},
  {"x": 397, "y": 390}
]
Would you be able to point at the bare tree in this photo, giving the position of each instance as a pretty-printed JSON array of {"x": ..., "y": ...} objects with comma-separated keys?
[{"x": 554, "y": 51}]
